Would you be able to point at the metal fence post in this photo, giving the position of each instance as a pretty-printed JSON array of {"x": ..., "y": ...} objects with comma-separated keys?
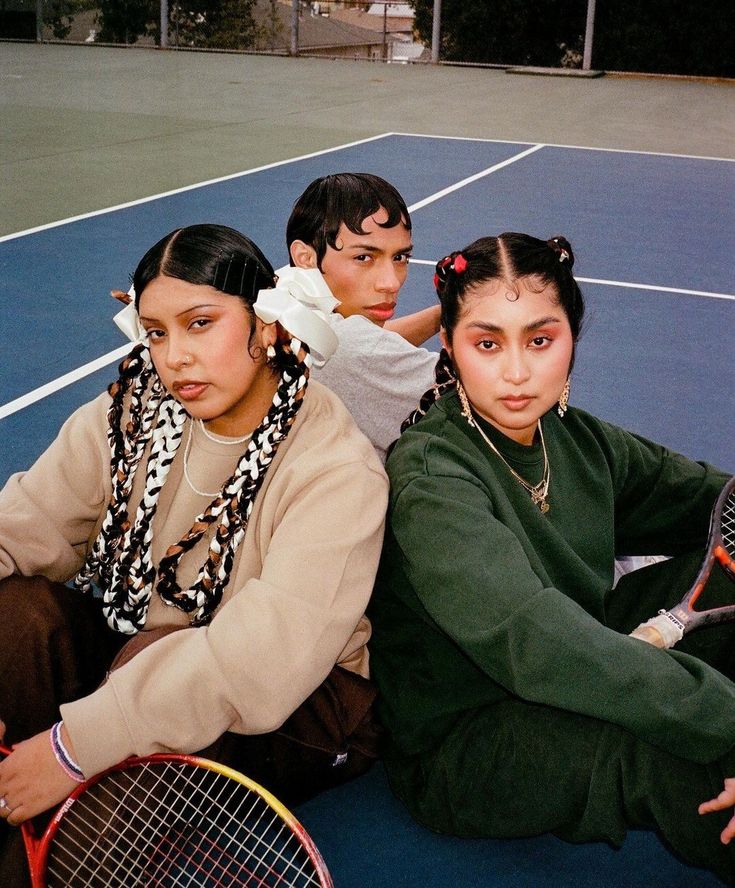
[
  {"x": 436, "y": 26},
  {"x": 588, "y": 36},
  {"x": 164, "y": 24},
  {"x": 294, "y": 49}
]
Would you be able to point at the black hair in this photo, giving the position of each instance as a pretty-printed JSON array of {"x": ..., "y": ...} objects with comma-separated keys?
[
  {"x": 209, "y": 255},
  {"x": 342, "y": 199},
  {"x": 509, "y": 257}
]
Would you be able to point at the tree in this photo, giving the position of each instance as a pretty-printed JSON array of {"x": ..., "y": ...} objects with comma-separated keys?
[
  {"x": 671, "y": 37},
  {"x": 124, "y": 21},
  {"x": 214, "y": 24},
  {"x": 506, "y": 32},
  {"x": 58, "y": 15},
  {"x": 657, "y": 36}
]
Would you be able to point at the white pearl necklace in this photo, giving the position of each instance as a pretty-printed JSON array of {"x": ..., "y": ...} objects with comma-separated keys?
[{"x": 211, "y": 437}]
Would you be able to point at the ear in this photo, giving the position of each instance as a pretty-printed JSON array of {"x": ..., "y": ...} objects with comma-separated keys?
[
  {"x": 267, "y": 334},
  {"x": 302, "y": 255},
  {"x": 444, "y": 341}
]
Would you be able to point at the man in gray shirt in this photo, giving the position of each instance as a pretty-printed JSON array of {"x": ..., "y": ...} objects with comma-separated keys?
[{"x": 356, "y": 228}]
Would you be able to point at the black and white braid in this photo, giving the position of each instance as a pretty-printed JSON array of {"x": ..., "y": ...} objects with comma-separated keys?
[
  {"x": 230, "y": 511},
  {"x": 126, "y": 447},
  {"x": 121, "y": 556}
]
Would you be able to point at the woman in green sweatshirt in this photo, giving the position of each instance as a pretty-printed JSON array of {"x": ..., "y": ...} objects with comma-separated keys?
[{"x": 516, "y": 701}]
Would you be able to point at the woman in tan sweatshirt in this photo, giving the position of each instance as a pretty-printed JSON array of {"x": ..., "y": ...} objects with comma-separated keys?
[{"x": 210, "y": 492}]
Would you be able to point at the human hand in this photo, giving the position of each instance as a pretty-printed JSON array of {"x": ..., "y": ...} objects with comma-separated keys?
[
  {"x": 31, "y": 780},
  {"x": 726, "y": 799}
]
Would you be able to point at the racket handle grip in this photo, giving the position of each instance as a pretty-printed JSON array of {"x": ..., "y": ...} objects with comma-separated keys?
[
  {"x": 650, "y": 634},
  {"x": 662, "y": 631}
]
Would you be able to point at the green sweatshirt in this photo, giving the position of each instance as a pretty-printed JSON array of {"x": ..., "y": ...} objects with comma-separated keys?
[{"x": 481, "y": 597}]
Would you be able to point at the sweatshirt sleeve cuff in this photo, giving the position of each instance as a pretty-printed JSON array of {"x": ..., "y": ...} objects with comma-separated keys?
[{"x": 93, "y": 751}]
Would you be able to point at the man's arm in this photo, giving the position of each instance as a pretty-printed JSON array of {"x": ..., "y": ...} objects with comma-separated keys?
[{"x": 416, "y": 328}]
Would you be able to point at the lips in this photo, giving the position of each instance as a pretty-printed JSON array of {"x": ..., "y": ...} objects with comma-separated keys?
[
  {"x": 516, "y": 402},
  {"x": 189, "y": 389},
  {"x": 382, "y": 311}
]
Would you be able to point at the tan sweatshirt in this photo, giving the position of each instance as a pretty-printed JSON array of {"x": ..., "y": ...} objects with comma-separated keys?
[{"x": 294, "y": 605}]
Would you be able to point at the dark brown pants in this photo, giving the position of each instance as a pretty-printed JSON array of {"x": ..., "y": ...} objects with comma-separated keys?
[{"x": 55, "y": 647}]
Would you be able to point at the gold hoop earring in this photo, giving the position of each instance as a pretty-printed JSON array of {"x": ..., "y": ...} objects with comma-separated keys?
[{"x": 564, "y": 399}]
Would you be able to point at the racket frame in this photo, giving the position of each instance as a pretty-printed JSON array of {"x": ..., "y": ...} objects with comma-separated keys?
[
  {"x": 37, "y": 848},
  {"x": 682, "y": 617}
]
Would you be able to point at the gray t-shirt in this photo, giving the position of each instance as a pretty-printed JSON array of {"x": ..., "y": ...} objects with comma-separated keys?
[{"x": 379, "y": 376}]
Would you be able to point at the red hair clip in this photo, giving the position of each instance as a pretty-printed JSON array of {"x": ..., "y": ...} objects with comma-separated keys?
[{"x": 459, "y": 264}]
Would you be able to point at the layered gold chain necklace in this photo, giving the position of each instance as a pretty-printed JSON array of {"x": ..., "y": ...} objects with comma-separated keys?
[{"x": 539, "y": 492}]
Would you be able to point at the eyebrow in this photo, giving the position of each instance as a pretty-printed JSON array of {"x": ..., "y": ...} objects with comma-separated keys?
[
  {"x": 371, "y": 248},
  {"x": 185, "y": 311},
  {"x": 529, "y": 328}
]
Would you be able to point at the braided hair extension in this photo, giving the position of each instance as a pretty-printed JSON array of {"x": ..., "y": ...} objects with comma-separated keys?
[
  {"x": 126, "y": 448},
  {"x": 120, "y": 560},
  {"x": 445, "y": 378},
  {"x": 121, "y": 555},
  {"x": 231, "y": 509}
]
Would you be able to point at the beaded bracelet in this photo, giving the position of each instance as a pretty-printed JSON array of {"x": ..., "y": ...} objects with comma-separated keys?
[{"x": 61, "y": 754}]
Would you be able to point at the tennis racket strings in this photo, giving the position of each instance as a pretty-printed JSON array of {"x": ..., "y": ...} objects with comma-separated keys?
[{"x": 168, "y": 823}]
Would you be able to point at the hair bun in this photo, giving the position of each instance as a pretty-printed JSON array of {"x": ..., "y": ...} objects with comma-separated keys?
[
  {"x": 563, "y": 249},
  {"x": 455, "y": 263}
]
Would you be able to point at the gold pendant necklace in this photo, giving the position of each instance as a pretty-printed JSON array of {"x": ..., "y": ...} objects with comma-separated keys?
[{"x": 539, "y": 492}]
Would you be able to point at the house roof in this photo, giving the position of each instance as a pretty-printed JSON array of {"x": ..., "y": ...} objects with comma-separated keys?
[
  {"x": 315, "y": 31},
  {"x": 375, "y": 21}
]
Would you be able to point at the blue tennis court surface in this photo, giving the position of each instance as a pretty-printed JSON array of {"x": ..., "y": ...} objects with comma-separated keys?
[{"x": 653, "y": 236}]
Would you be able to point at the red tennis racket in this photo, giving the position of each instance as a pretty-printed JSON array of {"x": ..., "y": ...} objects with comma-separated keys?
[
  {"x": 670, "y": 626},
  {"x": 172, "y": 820}
]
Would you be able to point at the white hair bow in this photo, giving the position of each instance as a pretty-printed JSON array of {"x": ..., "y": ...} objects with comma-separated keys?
[
  {"x": 301, "y": 302},
  {"x": 128, "y": 320}
]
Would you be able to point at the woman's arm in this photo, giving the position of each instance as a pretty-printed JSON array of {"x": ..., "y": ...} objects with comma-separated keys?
[
  {"x": 48, "y": 514},
  {"x": 269, "y": 646},
  {"x": 474, "y": 579},
  {"x": 416, "y": 328},
  {"x": 31, "y": 779},
  {"x": 663, "y": 500}
]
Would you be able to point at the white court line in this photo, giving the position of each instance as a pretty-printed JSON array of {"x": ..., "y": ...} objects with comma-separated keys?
[
  {"x": 103, "y": 361},
  {"x": 152, "y": 197},
  {"x": 50, "y": 387},
  {"x": 570, "y": 147},
  {"x": 656, "y": 288},
  {"x": 627, "y": 284},
  {"x": 498, "y": 166},
  {"x": 62, "y": 381}
]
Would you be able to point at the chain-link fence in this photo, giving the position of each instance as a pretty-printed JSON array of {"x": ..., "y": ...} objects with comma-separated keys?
[{"x": 658, "y": 36}]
